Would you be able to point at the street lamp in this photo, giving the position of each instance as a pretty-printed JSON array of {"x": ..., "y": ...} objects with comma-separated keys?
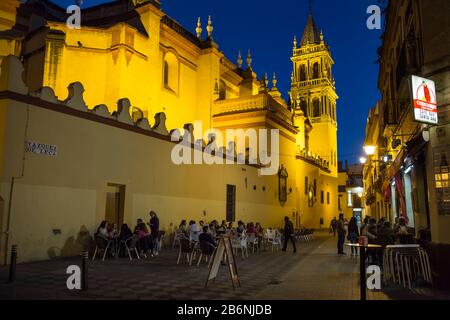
[
  {"x": 370, "y": 150},
  {"x": 363, "y": 160}
]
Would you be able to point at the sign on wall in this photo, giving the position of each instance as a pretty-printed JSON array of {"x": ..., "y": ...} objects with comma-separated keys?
[
  {"x": 424, "y": 100},
  {"x": 41, "y": 148}
]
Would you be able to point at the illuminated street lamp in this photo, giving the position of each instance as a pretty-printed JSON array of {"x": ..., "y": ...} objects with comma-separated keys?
[
  {"x": 363, "y": 160},
  {"x": 370, "y": 150}
]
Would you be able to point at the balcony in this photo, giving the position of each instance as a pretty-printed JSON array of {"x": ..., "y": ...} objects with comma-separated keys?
[
  {"x": 313, "y": 83},
  {"x": 314, "y": 159},
  {"x": 252, "y": 103}
]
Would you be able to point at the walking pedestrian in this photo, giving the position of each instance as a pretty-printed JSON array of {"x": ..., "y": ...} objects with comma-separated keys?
[
  {"x": 340, "y": 228},
  {"x": 288, "y": 234},
  {"x": 353, "y": 234}
]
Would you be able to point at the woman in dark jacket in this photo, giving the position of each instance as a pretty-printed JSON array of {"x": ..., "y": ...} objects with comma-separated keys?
[
  {"x": 154, "y": 227},
  {"x": 353, "y": 234}
]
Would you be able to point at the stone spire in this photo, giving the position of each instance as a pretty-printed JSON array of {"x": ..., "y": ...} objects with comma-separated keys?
[
  {"x": 274, "y": 82},
  {"x": 249, "y": 59},
  {"x": 239, "y": 60},
  {"x": 210, "y": 27},
  {"x": 199, "y": 29},
  {"x": 311, "y": 34}
]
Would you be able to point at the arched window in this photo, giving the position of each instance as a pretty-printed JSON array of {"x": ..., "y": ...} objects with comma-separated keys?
[
  {"x": 304, "y": 106},
  {"x": 171, "y": 72},
  {"x": 315, "y": 70},
  {"x": 302, "y": 72},
  {"x": 222, "y": 90},
  {"x": 166, "y": 74},
  {"x": 316, "y": 108}
]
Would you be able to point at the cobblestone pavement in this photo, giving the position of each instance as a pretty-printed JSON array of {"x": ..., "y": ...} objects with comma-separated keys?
[{"x": 315, "y": 272}]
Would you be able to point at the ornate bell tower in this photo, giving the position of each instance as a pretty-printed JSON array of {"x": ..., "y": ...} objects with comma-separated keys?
[{"x": 313, "y": 94}]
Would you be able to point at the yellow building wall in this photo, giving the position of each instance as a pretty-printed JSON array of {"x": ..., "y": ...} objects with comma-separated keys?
[{"x": 68, "y": 192}]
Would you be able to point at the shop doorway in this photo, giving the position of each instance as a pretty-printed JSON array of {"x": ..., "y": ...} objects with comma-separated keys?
[{"x": 115, "y": 204}]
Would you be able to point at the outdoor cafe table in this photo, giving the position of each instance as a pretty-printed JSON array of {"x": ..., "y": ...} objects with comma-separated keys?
[{"x": 362, "y": 265}]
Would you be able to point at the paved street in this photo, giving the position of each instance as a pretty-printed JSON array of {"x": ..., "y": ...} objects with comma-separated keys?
[{"x": 315, "y": 272}]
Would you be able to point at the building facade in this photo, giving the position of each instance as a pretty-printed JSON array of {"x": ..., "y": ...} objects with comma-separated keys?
[
  {"x": 97, "y": 108},
  {"x": 409, "y": 173}
]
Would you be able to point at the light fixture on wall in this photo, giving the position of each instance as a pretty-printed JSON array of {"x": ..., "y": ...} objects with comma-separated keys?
[{"x": 370, "y": 150}]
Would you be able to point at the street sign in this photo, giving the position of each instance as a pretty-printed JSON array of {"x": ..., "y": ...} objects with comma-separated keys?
[{"x": 424, "y": 100}]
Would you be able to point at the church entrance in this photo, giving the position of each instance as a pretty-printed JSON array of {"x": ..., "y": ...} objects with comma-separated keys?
[{"x": 115, "y": 203}]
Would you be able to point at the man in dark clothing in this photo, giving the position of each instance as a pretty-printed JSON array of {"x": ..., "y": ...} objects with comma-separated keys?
[
  {"x": 207, "y": 237},
  {"x": 341, "y": 234},
  {"x": 288, "y": 234}
]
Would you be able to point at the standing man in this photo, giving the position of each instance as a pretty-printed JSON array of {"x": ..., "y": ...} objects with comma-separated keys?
[
  {"x": 288, "y": 233},
  {"x": 333, "y": 226},
  {"x": 154, "y": 227},
  {"x": 341, "y": 234}
]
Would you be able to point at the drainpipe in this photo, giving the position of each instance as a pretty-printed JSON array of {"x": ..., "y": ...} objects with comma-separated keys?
[{"x": 11, "y": 191}]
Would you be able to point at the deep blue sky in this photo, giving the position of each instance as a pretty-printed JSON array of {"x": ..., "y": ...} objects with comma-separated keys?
[{"x": 267, "y": 27}]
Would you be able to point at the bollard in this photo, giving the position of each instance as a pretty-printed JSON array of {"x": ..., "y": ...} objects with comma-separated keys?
[
  {"x": 84, "y": 270},
  {"x": 12, "y": 266}
]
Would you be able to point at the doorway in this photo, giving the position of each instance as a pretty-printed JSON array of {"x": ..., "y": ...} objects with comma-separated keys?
[{"x": 115, "y": 204}]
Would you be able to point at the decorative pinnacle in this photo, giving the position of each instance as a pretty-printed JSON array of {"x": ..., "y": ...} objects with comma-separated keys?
[
  {"x": 210, "y": 27},
  {"x": 239, "y": 60},
  {"x": 295, "y": 42},
  {"x": 274, "y": 81},
  {"x": 266, "y": 80},
  {"x": 321, "y": 36},
  {"x": 292, "y": 77},
  {"x": 199, "y": 29},
  {"x": 249, "y": 59}
]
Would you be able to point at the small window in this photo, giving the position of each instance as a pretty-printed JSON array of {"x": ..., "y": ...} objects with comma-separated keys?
[
  {"x": 222, "y": 90},
  {"x": 306, "y": 185},
  {"x": 316, "y": 108},
  {"x": 321, "y": 196},
  {"x": 315, "y": 70},
  {"x": 328, "y": 198},
  {"x": 231, "y": 203},
  {"x": 171, "y": 72},
  {"x": 302, "y": 73}
]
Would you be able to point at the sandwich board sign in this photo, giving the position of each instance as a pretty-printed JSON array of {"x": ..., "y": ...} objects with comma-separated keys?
[
  {"x": 424, "y": 100},
  {"x": 224, "y": 250}
]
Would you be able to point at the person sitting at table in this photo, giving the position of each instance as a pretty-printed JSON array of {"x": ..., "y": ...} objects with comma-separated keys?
[
  {"x": 102, "y": 230},
  {"x": 182, "y": 228},
  {"x": 213, "y": 228},
  {"x": 230, "y": 227},
  {"x": 241, "y": 228},
  {"x": 194, "y": 231},
  {"x": 222, "y": 228},
  {"x": 112, "y": 231},
  {"x": 144, "y": 242},
  {"x": 259, "y": 230},
  {"x": 102, "y": 233},
  {"x": 251, "y": 229},
  {"x": 207, "y": 236},
  {"x": 125, "y": 232}
]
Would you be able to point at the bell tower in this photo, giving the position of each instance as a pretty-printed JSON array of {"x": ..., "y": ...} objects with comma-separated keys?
[{"x": 313, "y": 94}]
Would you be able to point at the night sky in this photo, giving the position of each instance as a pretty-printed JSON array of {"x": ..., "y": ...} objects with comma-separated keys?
[{"x": 267, "y": 27}]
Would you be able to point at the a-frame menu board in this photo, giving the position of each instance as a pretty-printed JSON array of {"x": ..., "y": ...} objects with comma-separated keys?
[{"x": 224, "y": 247}]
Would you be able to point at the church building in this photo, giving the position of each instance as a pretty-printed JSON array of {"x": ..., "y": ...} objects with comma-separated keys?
[{"x": 87, "y": 117}]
